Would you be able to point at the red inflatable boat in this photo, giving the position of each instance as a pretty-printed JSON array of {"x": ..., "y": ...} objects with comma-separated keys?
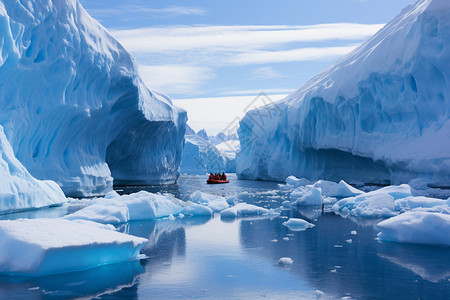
[{"x": 215, "y": 181}]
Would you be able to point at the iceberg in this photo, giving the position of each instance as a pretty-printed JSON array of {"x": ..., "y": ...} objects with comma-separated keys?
[
  {"x": 201, "y": 155},
  {"x": 47, "y": 246},
  {"x": 74, "y": 107},
  {"x": 18, "y": 189},
  {"x": 417, "y": 227},
  {"x": 379, "y": 115}
]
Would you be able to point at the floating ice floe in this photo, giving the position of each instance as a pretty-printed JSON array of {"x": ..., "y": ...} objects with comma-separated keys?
[
  {"x": 246, "y": 210},
  {"x": 417, "y": 227},
  {"x": 115, "y": 209},
  {"x": 387, "y": 202},
  {"x": 296, "y": 224},
  {"x": 214, "y": 202},
  {"x": 45, "y": 246},
  {"x": 378, "y": 203},
  {"x": 285, "y": 262},
  {"x": 308, "y": 195}
]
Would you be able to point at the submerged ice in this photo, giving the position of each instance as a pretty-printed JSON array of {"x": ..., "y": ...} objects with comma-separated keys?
[
  {"x": 74, "y": 107},
  {"x": 379, "y": 115}
]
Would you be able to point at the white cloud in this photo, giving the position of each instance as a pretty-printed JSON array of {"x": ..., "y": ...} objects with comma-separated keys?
[
  {"x": 265, "y": 73},
  {"x": 126, "y": 11},
  {"x": 175, "y": 79},
  {"x": 257, "y": 92},
  {"x": 294, "y": 55},
  {"x": 237, "y": 38}
]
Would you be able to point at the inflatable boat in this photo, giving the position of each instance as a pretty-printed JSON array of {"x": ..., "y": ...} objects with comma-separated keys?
[{"x": 215, "y": 181}]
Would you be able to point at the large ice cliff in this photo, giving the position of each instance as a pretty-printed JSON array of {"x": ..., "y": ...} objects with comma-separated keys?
[
  {"x": 381, "y": 114},
  {"x": 73, "y": 105}
]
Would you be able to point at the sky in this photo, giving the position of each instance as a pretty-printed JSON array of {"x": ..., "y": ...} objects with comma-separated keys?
[{"x": 223, "y": 51}]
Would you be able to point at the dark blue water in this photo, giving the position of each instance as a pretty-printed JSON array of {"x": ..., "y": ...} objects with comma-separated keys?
[{"x": 214, "y": 258}]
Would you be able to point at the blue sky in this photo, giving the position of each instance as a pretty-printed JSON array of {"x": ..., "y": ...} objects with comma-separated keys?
[
  {"x": 210, "y": 48},
  {"x": 206, "y": 49}
]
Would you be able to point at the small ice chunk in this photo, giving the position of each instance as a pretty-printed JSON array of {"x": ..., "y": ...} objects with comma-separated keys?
[
  {"x": 112, "y": 194},
  {"x": 417, "y": 227},
  {"x": 194, "y": 209},
  {"x": 171, "y": 217},
  {"x": 285, "y": 262},
  {"x": 287, "y": 204},
  {"x": 232, "y": 200},
  {"x": 308, "y": 195},
  {"x": 274, "y": 241},
  {"x": 319, "y": 294},
  {"x": 296, "y": 224},
  {"x": 244, "y": 210},
  {"x": 296, "y": 182},
  {"x": 286, "y": 239},
  {"x": 353, "y": 232},
  {"x": 216, "y": 203},
  {"x": 340, "y": 190},
  {"x": 349, "y": 241}
]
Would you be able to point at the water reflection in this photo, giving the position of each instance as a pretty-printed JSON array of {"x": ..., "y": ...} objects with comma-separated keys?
[
  {"x": 341, "y": 264},
  {"x": 93, "y": 283}
]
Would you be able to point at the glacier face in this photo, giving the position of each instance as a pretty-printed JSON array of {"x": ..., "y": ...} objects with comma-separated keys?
[
  {"x": 381, "y": 114},
  {"x": 202, "y": 155},
  {"x": 18, "y": 189},
  {"x": 73, "y": 105}
]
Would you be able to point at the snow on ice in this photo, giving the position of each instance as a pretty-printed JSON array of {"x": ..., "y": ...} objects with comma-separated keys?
[
  {"x": 45, "y": 246},
  {"x": 115, "y": 209},
  {"x": 418, "y": 227},
  {"x": 18, "y": 189},
  {"x": 295, "y": 224}
]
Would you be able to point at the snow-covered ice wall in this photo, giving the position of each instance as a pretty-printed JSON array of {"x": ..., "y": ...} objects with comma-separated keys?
[
  {"x": 18, "y": 189},
  {"x": 381, "y": 114},
  {"x": 73, "y": 105}
]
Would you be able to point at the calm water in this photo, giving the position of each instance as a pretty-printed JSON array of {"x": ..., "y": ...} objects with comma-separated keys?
[{"x": 211, "y": 258}]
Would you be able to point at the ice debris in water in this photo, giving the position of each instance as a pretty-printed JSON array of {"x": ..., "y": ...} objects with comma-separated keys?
[
  {"x": 285, "y": 262},
  {"x": 418, "y": 227},
  {"x": 115, "y": 209},
  {"x": 296, "y": 224}
]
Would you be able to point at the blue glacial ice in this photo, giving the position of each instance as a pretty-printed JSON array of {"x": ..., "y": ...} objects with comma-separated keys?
[
  {"x": 74, "y": 107},
  {"x": 116, "y": 209},
  {"x": 18, "y": 189},
  {"x": 201, "y": 156},
  {"x": 379, "y": 115},
  {"x": 47, "y": 246}
]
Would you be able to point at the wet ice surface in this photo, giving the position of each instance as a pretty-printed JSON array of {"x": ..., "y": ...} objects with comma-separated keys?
[{"x": 221, "y": 258}]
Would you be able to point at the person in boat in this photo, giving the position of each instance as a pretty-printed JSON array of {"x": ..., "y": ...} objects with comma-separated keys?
[
  {"x": 224, "y": 177},
  {"x": 216, "y": 176},
  {"x": 211, "y": 176}
]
